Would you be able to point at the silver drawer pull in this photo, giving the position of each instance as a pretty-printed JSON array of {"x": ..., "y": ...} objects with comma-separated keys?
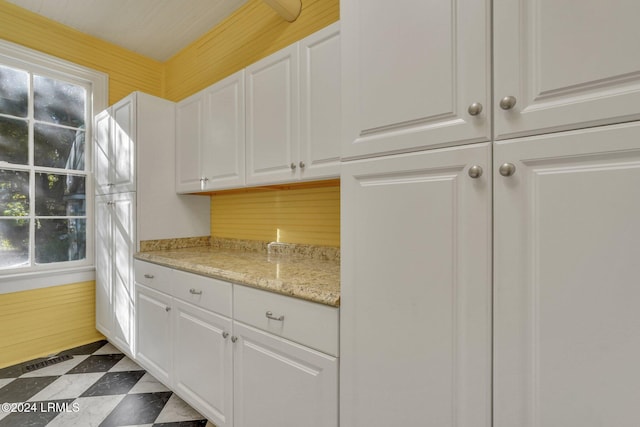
[
  {"x": 148, "y": 276},
  {"x": 272, "y": 317},
  {"x": 193, "y": 291}
]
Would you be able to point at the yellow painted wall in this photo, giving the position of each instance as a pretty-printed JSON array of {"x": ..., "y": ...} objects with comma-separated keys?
[
  {"x": 253, "y": 32},
  {"x": 128, "y": 71},
  {"x": 298, "y": 215},
  {"x": 40, "y": 322}
]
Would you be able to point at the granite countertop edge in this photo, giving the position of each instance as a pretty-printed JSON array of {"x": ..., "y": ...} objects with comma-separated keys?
[{"x": 324, "y": 291}]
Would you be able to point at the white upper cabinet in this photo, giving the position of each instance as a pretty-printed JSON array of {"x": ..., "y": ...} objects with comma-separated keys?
[
  {"x": 414, "y": 75},
  {"x": 116, "y": 148},
  {"x": 210, "y": 137},
  {"x": 189, "y": 137},
  {"x": 273, "y": 118},
  {"x": 567, "y": 64},
  {"x": 320, "y": 99}
]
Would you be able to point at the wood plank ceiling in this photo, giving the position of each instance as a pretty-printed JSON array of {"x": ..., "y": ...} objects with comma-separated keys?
[{"x": 155, "y": 28}]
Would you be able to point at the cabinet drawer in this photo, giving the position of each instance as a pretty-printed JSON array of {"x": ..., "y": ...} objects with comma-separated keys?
[
  {"x": 153, "y": 275},
  {"x": 308, "y": 323},
  {"x": 206, "y": 292}
]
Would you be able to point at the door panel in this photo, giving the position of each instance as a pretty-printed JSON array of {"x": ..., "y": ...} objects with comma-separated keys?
[{"x": 566, "y": 274}]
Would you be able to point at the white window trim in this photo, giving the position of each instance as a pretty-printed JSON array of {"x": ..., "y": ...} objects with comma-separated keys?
[{"x": 12, "y": 54}]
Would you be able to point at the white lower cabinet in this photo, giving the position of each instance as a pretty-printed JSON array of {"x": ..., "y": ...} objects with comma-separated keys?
[
  {"x": 279, "y": 383},
  {"x": 154, "y": 331},
  {"x": 202, "y": 369},
  {"x": 566, "y": 294},
  {"x": 268, "y": 373}
]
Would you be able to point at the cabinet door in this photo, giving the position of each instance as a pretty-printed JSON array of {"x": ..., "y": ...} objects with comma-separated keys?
[
  {"x": 123, "y": 156},
  {"x": 189, "y": 133},
  {"x": 272, "y": 118},
  {"x": 123, "y": 214},
  {"x": 568, "y": 64},
  {"x": 415, "y": 338},
  {"x": 153, "y": 332},
  {"x": 282, "y": 384},
  {"x": 411, "y": 70},
  {"x": 320, "y": 100},
  {"x": 223, "y": 142},
  {"x": 202, "y": 362},
  {"x": 104, "y": 266},
  {"x": 566, "y": 279},
  {"x": 103, "y": 152}
]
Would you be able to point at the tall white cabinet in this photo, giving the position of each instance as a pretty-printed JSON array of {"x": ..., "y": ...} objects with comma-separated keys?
[
  {"x": 490, "y": 283},
  {"x": 135, "y": 201}
]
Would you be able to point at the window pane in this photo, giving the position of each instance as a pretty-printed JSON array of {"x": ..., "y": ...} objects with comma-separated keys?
[
  {"x": 14, "y": 193},
  {"x": 14, "y": 141},
  {"x": 14, "y": 92},
  {"x": 14, "y": 243},
  {"x": 58, "y": 102},
  {"x": 57, "y": 147},
  {"x": 59, "y": 240},
  {"x": 60, "y": 195}
]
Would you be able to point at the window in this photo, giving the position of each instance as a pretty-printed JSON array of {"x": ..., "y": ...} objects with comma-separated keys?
[{"x": 46, "y": 113}]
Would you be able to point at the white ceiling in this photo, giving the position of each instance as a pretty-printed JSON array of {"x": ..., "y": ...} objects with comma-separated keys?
[{"x": 155, "y": 28}]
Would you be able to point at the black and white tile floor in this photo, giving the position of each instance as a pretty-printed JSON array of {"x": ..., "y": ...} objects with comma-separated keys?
[{"x": 98, "y": 387}]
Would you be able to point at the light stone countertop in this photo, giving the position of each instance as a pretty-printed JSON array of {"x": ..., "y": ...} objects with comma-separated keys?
[{"x": 307, "y": 278}]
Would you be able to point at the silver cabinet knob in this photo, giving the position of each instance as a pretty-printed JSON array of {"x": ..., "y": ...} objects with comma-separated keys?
[
  {"x": 293, "y": 166},
  {"x": 475, "y": 109},
  {"x": 302, "y": 165},
  {"x": 193, "y": 291},
  {"x": 475, "y": 171},
  {"x": 148, "y": 276},
  {"x": 234, "y": 339},
  {"x": 167, "y": 309},
  {"x": 507, "y": 169},
  {"x": 508, "y": 102},
  {"x": 225, "y": 335}
]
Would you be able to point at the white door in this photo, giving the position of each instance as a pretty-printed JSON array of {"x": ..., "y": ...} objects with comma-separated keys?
[
  {"x": 153, "y": 331},
  {"x": 273, "y": 118},
  {"x": 103, "y": 152},
  {"x": 567, "y": 227},
  {"x": 320, "y": 100},
  {"x": 568, "y": 64},
  {"x": 189, "y": 135},
  {"x": 223, "y": 141},
  {"x": 411, "y": 72},
  {"x": 123, "y": 156},
  {"x": 202, "y": 361},
  {"x": 415, "y": 337},
  {"x": 104, "y": 265},
  {"x": 123, "y": 214},
  {"x": 282, "y": 384}
]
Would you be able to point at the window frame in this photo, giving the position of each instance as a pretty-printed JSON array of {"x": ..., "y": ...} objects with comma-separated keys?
[{"x": 97, "y": 85}]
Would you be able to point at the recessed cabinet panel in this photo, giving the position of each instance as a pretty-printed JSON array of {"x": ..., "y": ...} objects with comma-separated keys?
[
  {"x": 189, "y": 137},
  {"x": 222, "y": 161},
  {"x": 282, "y": 384},
  {"x": 102, "y": 149},
  {"x": 320, "y": 103},
  {"x": 124, "y": 145},
  {"x": 411, "y": 71},
  {"x": 568, "y": 64},
  {"x": 203, "y": 360},
  {"x": 153, "y": 311},
  {"x": 566, "y": 275},
  {"x": 272, "y": 117},
  {"x": 416, "y": 289}
]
